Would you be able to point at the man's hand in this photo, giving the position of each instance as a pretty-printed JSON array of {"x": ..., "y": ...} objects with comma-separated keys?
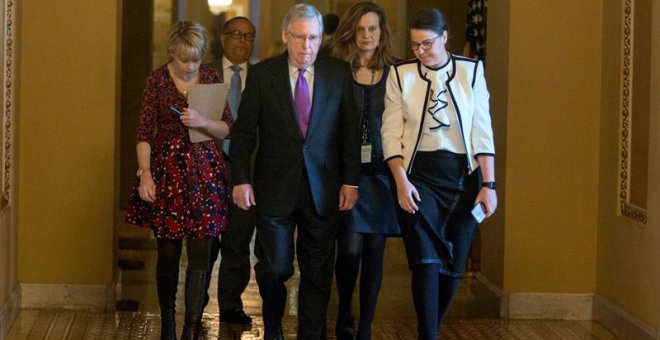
[
  {"x": 243, "y": 196},
  {"x": 348, "y": 195}
]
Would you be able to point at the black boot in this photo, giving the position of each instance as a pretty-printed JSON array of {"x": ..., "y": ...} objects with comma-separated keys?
[
  {"x": 194, "y": 299},
  {"x": 167, "y": 325},
  {"x": 167, "y": 286},
  {"x": 191, "y": 331},
  {"x": 344, "y": 329}
]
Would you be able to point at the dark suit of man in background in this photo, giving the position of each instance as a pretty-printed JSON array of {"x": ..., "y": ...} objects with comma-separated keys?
[
  {"x": 237, "y": 39},
  {"x": 306, "y": 169}
]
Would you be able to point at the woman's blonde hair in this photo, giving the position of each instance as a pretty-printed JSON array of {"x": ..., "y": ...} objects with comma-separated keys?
[
  {"x": 187, "y": 40},
  {"x": 344, "y": 46}
]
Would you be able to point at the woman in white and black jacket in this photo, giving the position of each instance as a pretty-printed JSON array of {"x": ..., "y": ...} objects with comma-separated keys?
[{"x": 438, "y": 143}]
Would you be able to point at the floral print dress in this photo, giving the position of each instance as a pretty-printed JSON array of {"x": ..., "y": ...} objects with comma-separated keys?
[{"x": 191, "y": 178}]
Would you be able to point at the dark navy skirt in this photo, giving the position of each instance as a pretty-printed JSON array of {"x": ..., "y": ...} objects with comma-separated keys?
[
  {"x": 442, "y": 230},
  {"x": 375, "y": 210}
]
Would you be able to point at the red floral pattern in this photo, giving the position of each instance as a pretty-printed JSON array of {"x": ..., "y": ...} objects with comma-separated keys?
[{"x": 191, "y": 178}]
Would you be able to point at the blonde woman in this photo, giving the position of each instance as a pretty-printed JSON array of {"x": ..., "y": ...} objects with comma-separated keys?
[{"x": 181, "y": 190}]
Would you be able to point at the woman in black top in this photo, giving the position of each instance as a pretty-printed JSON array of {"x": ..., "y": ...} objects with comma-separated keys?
[{"x": 363, "y": 40}]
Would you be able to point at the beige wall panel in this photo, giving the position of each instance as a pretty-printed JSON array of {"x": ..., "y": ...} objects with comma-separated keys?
[
  {"x": 497, "y": 77},
  {"x": 652, "y": 246},
  {"x": 67, "y": 122},
  {"x": 163, "y": 18},
  {"x": 9, "y": 288},
  {"x": 552, "y": 146},
  {"x": 628, "y": 252},
  {"x": 271, "y": 41}
]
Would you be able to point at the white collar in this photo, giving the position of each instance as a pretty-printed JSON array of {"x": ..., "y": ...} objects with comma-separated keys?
[
  {"x": 226, "y": 64},
  {"x": 293, "y": 70}
]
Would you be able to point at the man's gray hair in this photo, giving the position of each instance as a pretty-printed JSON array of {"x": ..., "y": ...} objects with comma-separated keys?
[{"x": 301, "y": 11}]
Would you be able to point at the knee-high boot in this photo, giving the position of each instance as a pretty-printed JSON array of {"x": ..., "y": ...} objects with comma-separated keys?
[
  {"x": 167, "y": 324},
  {"x": 194, "y": 299},
  {"x": 167, "y": 286}
]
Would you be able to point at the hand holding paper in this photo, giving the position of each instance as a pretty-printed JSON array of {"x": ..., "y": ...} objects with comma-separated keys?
[
  {"x": 207, "y": 100},
  {"x": 193, "y": 119}
]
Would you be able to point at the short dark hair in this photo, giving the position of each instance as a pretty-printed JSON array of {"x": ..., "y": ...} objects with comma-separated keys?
[
  {"x": 430, "y": 19},
  {"x": 234, "y": 19},
  {"x": 330, "y": 23}
]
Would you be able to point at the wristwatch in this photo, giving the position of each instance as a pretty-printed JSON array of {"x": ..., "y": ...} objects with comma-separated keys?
[
  {"x": 489, "y": 185},
  {"x": 140, "y": 172}
]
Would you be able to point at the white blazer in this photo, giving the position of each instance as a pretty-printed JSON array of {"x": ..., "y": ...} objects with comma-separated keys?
[{"x": 406, "y": 98}]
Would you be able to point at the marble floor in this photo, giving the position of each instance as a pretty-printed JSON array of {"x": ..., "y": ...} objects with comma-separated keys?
[{"x": 474, "y": 312}]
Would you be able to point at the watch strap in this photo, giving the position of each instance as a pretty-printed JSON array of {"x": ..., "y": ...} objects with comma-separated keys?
[
  {"x": 489, "y": 185},
  {"x": 140, "y": 172}
]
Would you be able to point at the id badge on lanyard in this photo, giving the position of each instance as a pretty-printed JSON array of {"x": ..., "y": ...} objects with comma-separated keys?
[{"x": 366, "y": 153}]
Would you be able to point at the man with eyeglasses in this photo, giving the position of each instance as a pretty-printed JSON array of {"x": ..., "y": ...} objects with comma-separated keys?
[
  {"x": 237, "y": 39},
  {"x": 306, "y": 169}
]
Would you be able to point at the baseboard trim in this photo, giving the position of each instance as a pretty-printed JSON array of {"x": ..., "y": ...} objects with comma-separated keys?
[
  {"x": 540, "y": 305},
  {"x": 491, "y": 286},
  {"x": 621, "y": 323},
  {"x": 61, "y": 296},
  {"x": 9, "y": 311},
  {"x": 555, "y": 306},
  {"x": 489, "y": 295}
]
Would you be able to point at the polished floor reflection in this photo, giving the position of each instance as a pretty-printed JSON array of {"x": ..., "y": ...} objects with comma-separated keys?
[
  {"x": 36, "y": 324},
  {"x": 473, "y": 314}
]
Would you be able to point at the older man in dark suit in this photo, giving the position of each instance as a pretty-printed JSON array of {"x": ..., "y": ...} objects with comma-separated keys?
[{"x": 305, "y": 171}]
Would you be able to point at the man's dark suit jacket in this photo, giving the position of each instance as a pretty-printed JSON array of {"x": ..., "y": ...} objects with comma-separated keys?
[{"x": 330, "y": 154}]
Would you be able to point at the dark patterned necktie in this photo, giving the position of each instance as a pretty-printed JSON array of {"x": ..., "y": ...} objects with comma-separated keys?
[
  {"x": 302, "y": 101},
  {"x": 234, "y": 98}
]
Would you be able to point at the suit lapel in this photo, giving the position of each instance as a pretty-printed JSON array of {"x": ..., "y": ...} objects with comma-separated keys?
[
  {"x": 282, "y": 88},
  {"x": 319, "y": 95}
]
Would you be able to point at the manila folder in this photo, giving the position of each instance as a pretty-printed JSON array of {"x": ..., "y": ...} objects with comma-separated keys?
[{"x": 209, "y": 100}]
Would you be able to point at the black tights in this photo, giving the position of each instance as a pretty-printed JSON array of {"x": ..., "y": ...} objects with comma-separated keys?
[
  {"x": 432, "y": 295},
  {"x": 167, "y": 267},
  {"x": 354, "y": 248}
]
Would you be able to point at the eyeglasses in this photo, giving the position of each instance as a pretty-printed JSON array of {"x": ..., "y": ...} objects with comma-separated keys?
[
  {"x": 300, "y": 38},
  {"x": 237, "y": 35},
  {"x": 424, "y": 45}
]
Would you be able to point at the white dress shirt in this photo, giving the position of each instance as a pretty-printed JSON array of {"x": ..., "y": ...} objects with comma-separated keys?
[{"x": 227, "y": 72}]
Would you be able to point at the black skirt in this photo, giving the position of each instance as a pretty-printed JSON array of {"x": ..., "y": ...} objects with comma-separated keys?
[
  {"x": 375, "y": 210},
  {"x": 442, "y": 230}
]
